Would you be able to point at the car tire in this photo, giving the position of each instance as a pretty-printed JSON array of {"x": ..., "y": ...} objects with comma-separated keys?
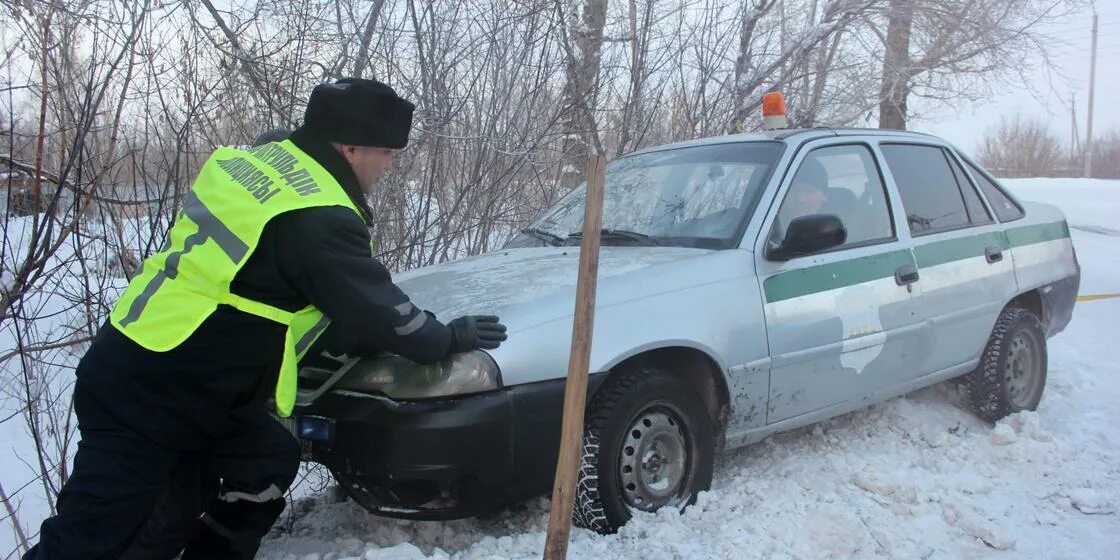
[
  {"x": 1012, "y": 370},
  {"x": 642, "y": 412}
]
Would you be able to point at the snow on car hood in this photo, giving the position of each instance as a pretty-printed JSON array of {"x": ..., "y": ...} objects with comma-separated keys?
[{"x": 496, "y": 282}]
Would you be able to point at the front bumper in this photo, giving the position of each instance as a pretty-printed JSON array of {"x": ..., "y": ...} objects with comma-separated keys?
[{"x": 441, "y": 459}]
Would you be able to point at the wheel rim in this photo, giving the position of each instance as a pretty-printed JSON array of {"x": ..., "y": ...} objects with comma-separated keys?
[
  {"x": 654, "y": 459},
  {"x": 1020, "y": 370}
]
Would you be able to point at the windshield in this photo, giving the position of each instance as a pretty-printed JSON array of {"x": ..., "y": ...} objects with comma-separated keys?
[{"x": 686, "y": 197}]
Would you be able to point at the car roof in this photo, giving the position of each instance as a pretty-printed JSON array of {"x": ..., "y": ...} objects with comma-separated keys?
[{"x": 792, "y": 135}]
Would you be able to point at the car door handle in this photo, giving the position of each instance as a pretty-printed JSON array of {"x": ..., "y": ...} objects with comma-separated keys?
[
  {"x": 993, "y": 254},
  {"x": 906, "y": 274}
]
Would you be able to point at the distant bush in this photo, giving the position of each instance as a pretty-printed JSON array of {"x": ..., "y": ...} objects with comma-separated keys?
[
  {"x": 1019, "y": 147},
  {"x": 1106, "y": 156}
]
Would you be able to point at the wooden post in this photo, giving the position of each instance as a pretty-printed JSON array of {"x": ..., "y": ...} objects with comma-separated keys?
[{"x": 575, "y": 390}]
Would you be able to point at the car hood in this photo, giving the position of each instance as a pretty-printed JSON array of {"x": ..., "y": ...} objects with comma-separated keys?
[{"x": 521, "y": 281}]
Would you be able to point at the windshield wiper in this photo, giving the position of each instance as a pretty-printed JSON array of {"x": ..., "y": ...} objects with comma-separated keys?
[
  {"x": 641, "y": 238},
  {"x": 547, "y": 237}
]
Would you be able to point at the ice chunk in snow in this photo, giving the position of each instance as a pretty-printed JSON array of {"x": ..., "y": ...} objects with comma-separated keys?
[
  {"x": 1003, "y": 434},
  {"x": 886, "y": 486},
  {"x": 1027, "y": 424},
  {"x": 988, "y": 531},
  {"x": 1087, "y": 500}
]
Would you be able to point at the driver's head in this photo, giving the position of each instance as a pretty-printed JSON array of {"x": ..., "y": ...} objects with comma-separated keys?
[{"x": 807, "y": 193}]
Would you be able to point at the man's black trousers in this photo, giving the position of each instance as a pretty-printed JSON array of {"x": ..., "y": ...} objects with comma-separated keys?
[{"x": 120, "y": 476}]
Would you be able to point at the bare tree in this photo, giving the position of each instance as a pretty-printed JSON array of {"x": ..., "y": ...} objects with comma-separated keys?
[
  {"x": 582, "y": 42},
  {"x": 792, "y": 61},
  {"x": 85, "y": 59},
  {"x": 951, "y": 50},
  {"x": 752, "y": 13}
]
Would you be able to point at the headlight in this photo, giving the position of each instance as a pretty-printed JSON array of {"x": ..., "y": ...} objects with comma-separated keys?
[{"x": 399, "y": 378}]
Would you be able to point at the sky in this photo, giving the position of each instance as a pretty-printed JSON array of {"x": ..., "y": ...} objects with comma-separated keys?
[{"x": 1051, "y": 102}]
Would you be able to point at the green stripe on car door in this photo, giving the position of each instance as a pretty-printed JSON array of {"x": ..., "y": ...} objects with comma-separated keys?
[
  {"x": 830, "y": 276},
  {"x": 960, "y": 248},
  {"x": 949, "y": 250},
  {"x": 1027, "y": 235}
]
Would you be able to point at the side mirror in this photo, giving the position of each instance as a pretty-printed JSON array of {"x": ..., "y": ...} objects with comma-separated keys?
[{"x": 810, "y": 234}]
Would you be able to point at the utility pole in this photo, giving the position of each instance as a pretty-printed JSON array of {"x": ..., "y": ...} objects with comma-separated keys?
[{"x": 1092, "y": 85}]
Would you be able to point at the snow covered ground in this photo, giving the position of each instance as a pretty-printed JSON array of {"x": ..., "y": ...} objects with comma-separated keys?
[{"x": 915, "y": 477}]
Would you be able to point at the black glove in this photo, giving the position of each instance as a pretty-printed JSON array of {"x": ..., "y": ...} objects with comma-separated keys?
[{"x": 476, "y": 331}]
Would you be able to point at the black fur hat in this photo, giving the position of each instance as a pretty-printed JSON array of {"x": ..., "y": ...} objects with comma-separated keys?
[{"x": 359, "y": 112}]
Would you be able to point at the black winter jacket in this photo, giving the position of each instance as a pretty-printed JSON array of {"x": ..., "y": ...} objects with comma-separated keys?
[{"x": 229, "y": 365}]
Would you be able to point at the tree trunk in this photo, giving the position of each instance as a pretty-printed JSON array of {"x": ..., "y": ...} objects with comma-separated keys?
[
  {"x": 637, "y": 73},
  {"x": 580, "y": 88},
  {"x": 743, "y": 69},
  {"x": 747, "y": 77},
  {"x": 896, "y": 61},
  {"x": 362, "y": 59}
]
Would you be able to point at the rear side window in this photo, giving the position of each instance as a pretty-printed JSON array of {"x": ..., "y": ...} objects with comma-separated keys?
[
  {"x": 1005, "y": 208},
  {"x": 977, "y": 214},
  {"x": 930, "y": 193}
]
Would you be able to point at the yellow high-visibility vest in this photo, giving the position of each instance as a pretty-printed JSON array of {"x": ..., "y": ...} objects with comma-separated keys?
[{"x": 236, "y": 193}]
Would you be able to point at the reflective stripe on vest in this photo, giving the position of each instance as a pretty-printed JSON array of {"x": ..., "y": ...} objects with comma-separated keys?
[{"x": 236, "y": 194}]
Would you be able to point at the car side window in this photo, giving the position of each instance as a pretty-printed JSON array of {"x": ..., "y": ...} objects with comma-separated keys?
[
  {"x": 1005, "y": 208},
  {"x": 843, "y": 181},
  {"x": 930, "y": 194},
  {"x": 977, "y": 214}
]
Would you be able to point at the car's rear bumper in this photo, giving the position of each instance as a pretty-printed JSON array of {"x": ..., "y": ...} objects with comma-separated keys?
[
  {"x": 1059, "y": 299},
  {"x": 441, "y": 459}
]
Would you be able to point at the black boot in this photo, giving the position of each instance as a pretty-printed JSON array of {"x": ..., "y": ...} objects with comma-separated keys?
[
  {"x": 171, "y": 523},
  {"x": 232, "y": 530}
]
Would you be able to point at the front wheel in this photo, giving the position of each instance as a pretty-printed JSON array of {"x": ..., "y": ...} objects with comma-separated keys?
[
  {"x": 1012, "y": 370},
  {"x": 648, "y": 443}
]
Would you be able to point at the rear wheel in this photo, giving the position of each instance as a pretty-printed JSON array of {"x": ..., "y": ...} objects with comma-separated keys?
[
  {"x": 1012, "y": 370},
  {"x": 648, "y": 443}
]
